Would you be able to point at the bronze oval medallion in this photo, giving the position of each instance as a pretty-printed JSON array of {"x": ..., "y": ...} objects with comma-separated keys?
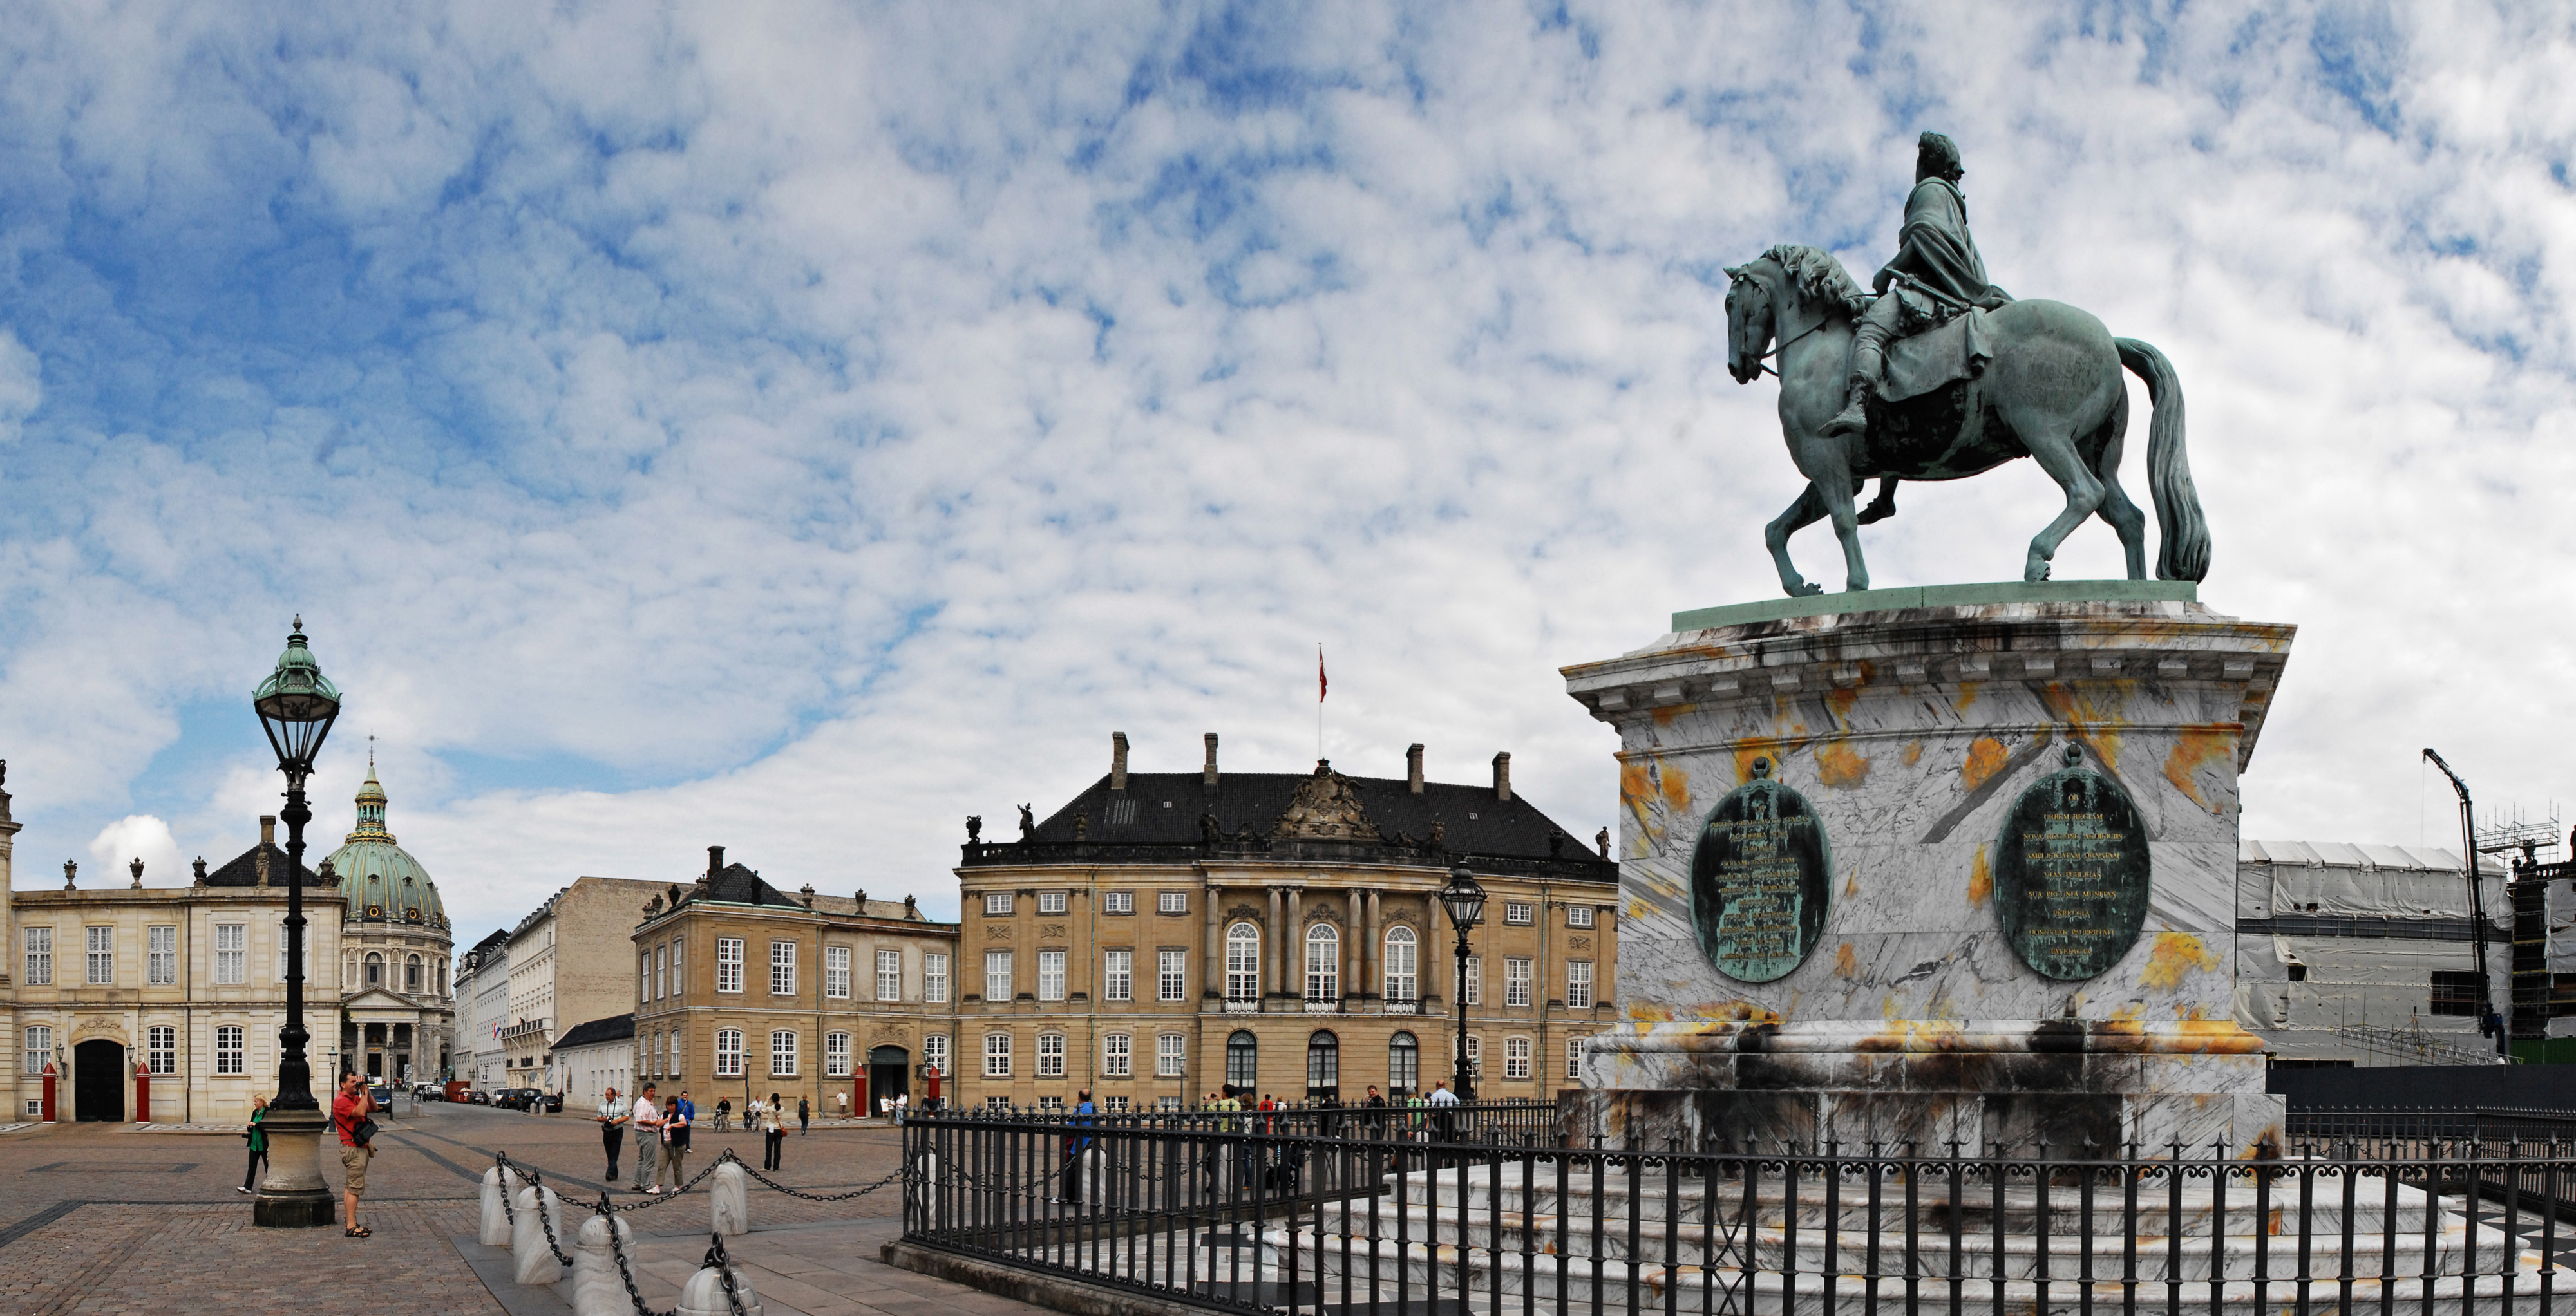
[
  {"x": 2072, "y": 873},
  {"x": 1760, "y": 879}
]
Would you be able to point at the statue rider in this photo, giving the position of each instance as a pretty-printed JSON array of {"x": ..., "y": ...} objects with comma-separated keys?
[{"x": 1942, "y": 275}]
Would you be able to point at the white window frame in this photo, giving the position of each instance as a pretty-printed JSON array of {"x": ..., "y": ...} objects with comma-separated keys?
[
  {"x": 836, "y": 1055},
  {"x": 729, "y": 965},
  {"x": 997, "y": 1055},
  {"x": 679, "y": 968},
  {"x": 782, "y": 968},
  {"x": 1518, "y": 912},
  {"x": 1578, "y": 984},
  {"x": 1171, "y": 975},
  {"x": 161, "y": 965},
  {"x": 40, "y": 958},
  {"x": 997, "y": 903},
  {"x": 1516, "y": 1057},
  {"x": 1118, "y": 975},
  {"x": 934, "y": 1052},
  {"x": 662, "y": 972},
  {"x": 1050, "y": 1055},
  {"x": 728, "y": 1053},
  {"x": 161, "y": 1049},
  {"x": 1517, "y": 978},
  {"x": 231, "y": 1048},
  {"x": 782, "y": 1047},
  {"x": 1578, "y": 916},
  {"x": 1051, "y": 902},
  {"x": 1118, "y": 902},
  {"x": 889, "y": 975},
  {"x": 644, "y": 976},
  {"x": 934, "y": 979},
  {"x": 836, "y": 973},
  {"x": 38, "y": 1041},
  {"x": 1171, "y": 902},
  {"x": 1117, "y": 1055},
  {"x": 999, "y": 970},
  {"x": 232, "y": 954},
  {"x": 1323, "y": 963},
  {"x": 1242, "y": 962},
  {"x": 1171, "y": 1054},
  {"x": 1475, "y": 992},
  {"x": 99, "y": 961},
  {"x": 1403, "y": 978},
  {"x": 1574, "y": 1057},
  {"x": 1051, "y": 975}
]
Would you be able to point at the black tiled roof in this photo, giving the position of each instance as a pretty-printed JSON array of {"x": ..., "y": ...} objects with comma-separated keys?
[
  {"x": 613, "y": 1028},
  {"x": 244, "y": 869},
  {"x": 1164, "y": 810}
]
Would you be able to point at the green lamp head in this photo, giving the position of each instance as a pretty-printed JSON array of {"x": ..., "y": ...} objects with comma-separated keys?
[{"x": 296, "y": 705}]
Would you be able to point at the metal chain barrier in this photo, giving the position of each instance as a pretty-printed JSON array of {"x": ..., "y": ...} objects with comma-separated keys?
[
  {"x": 626, "y": 1272},
  {"x": 666, "y": 1199},
  {"x": 724, "y": 1271},
  {"x": 816, "y": 1197}
]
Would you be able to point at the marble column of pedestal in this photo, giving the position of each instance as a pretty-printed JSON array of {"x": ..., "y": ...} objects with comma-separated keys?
[{"x": 294, "y": 1195}]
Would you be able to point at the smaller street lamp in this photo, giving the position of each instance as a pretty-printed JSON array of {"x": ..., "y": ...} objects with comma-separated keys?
[
  {"x": 296, "y": 707},
  {"x": 1465, "y": 902}
]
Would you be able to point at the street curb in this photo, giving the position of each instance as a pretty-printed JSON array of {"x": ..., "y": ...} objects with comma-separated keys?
[{"x": 1056, "y": 1291}]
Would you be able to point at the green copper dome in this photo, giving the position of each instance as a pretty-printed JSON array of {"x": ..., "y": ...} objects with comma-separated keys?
[{"x": 381, "y": 881}]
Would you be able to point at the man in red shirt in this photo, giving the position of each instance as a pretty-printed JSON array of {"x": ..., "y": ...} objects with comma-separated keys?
[{"x": 348, "y": 1110}]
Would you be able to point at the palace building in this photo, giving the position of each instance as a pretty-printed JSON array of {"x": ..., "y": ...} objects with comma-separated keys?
[
  {"x": 743, "y": 990},
  {"x": 1165, "y": 935}
]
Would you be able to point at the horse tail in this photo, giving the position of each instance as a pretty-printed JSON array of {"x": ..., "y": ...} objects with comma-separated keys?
[{"x": 2183, "y": 553}]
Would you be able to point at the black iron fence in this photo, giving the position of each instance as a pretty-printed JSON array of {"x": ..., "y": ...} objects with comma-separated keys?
[
  {"x": 1246, "y": 1218},
  {"x": 1503, "y": 1123}
]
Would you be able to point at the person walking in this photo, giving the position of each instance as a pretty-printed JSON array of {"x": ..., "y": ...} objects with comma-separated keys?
[
  {"x": 773, "y": 1134},
  {"x": 257, "y": 1137},
  {"x": 1074, "y": 1146},
  {"x": 612, "y": 1118},
  {"x": 647, "y": 1120},
  {"x": 349, "y": 1112},
  {"x": 675, "y": 1141},
  {"x": 804, "y": 1117}
]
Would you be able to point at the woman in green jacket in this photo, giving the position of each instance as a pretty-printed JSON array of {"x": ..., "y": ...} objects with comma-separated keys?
[{"x": 258, "y": 1139}]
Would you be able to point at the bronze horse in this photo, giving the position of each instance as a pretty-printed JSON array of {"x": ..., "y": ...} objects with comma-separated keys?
[{"x": 2052, "y": 392}]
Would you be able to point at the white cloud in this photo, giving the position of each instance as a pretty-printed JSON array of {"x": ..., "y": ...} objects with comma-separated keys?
[
  {"x": 136, "y": 836},
  {"x": 800, "y": 432}
]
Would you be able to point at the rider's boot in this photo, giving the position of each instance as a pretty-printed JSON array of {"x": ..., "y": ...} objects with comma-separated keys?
[{"x": 1854, "y": 417}]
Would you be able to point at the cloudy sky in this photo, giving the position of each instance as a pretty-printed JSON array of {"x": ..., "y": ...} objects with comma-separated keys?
[{"x": 797, "y": 428}]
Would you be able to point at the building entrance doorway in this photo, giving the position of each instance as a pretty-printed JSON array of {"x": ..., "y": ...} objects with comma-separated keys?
[
  {"x": 888, "y": 1073},
  {"x": 98, "y": 1081}
]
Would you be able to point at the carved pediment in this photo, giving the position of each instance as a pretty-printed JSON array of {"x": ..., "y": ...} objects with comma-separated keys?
[{"x": 1325, "y": 808}]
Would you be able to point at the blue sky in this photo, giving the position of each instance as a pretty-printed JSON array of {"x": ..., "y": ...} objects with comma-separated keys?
[{"x": 798, "y": 427}]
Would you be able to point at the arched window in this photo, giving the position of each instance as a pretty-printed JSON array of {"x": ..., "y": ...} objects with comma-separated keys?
[
  {"x": 1400, "y": 981},
  {"x": 1323, "y": 1066},
  {"x": 1403, "y": 1063},
  {"x": 1243, "y": 963},
  {"x": 375, "y": 969},
  {"x": 1323, "y": 963},
  {"x": 411, "y": 974},
  {"x": 1242, "y": 1062}
]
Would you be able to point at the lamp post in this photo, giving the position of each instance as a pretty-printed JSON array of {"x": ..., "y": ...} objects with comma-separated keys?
[
  {"x": 296, "y": 707},
  {"x": 1465, "y": 902}
]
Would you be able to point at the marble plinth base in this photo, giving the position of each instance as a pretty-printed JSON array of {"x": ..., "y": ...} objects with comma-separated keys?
[
  {"x": 1910, "y": 734},
  {"x": 294, "y": 1195}
]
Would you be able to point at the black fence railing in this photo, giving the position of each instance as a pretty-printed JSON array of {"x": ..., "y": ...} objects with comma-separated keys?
[
  {"x": 1502, "y": 1123},
  {"x": 1361, "y": 1221}
]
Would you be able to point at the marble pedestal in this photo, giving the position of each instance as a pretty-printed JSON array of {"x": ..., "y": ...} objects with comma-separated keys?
[
  {"x": 1911, "y": 723},
  {"x": 294, "y": 1195}
]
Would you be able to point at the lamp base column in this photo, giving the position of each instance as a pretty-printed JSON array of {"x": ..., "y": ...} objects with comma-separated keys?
[{"x": 294, "y": 1195}]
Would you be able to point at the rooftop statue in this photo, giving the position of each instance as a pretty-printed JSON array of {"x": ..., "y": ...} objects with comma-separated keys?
[{"x": 1939, "y": 374}]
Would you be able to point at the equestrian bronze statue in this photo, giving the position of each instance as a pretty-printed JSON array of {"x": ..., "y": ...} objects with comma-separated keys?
[{"x": 1942, "y": 375}]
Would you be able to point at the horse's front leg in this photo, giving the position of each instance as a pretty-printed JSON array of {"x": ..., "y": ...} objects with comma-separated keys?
[
  {"x": 1805, "y": 512},
  {"x": 1833, "y": 478}
]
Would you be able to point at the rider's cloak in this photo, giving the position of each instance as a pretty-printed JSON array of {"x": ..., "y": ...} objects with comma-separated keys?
[{"x": 1934, "y": 247}]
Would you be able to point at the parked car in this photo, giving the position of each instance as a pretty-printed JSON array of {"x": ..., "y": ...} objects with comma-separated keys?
[
  {"x": 518, "y": 1098},
  {"x": 479, "y": 1097},
  {"x": 381, "y": 1094},
  {"x": 554, "y": 1102}
]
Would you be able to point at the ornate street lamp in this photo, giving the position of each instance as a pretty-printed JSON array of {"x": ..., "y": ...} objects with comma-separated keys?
[
  {"x": 296, "y": 708},
  {"x": 1465, "y": 902}
]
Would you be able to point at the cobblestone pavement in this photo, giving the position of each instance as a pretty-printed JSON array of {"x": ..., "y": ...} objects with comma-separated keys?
[{"x": 103, "y": 1218}]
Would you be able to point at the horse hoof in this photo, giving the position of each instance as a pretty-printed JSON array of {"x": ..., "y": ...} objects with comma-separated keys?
[
  {"x": 1806, "y": 589},
  {"x": 2035, "y": 574}
]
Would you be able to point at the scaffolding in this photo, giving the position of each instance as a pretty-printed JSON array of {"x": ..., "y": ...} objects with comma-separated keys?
[{"x": 2409, "y": 1046}]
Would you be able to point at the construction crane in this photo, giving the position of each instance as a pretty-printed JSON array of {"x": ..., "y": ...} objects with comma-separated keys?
[{"x": 2488, "y": 1024}]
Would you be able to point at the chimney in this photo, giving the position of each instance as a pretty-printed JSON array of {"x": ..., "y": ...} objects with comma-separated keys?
[
  {"x": 267, "y": 842},
  {"x": 1207, "y": 775},
  {"x": 715, "y": 861},
  {"x": 1503, "y": 776},
  {"x": 1413, "y": 767},
  {"x": 1118, "y": 760}
]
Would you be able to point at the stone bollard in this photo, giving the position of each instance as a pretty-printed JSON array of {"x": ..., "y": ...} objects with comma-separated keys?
[
  {"x": 1093, "y": 1163},
  {"x": 597, "y": 1287},
  {"x": 495, "y": 1231},
  {"x": 704, "y": 1295},
  {"x": 534, "y": 1260},
  {"x": 730, "y": 1190}
]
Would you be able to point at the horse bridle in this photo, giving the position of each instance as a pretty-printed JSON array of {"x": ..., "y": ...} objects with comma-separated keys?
[{"x": 1783, "y": 344}]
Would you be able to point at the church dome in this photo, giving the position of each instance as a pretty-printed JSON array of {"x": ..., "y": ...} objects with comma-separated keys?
[{"x": 380, "y": 880}]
